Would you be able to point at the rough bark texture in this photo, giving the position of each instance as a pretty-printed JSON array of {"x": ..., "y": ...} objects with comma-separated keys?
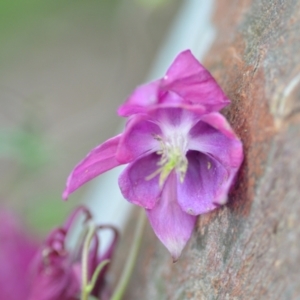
[{"x": 250, "y": 248}]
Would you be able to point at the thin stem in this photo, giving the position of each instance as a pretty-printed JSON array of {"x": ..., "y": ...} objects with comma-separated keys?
[
  {"x": 130, "y": 262},
  {"x": 96, "y": 274},
  {"x": 85, "y": 256}
]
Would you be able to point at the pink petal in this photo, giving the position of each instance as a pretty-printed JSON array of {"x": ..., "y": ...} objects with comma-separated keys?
[
  {"x": 137, "y": 184},
  {"x": 98, "y": 161},
  {"x": 79, "y": 210},
  {"x": 54, "y": 283},
  {"x": 214, "y": 136},
  {"x": 206, "y": 180},
  {"x": 190, "y": 80},
  {"x": 186, "y": 82},
  {"x": 180, "y": 116},
  {"x": 17, "y": 252},
  {"x": 170, "y": 223},
  {"x": 169, "y": 116},
  {"x": 219, "y": 122},
  {"x": 138, "y": 139},
  {"x": 170, "y": 97},
  {"x": 108, "y": 254},
  {"x": 142, "y": 97}
]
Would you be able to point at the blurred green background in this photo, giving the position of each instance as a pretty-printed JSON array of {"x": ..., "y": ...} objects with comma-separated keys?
[{"x": 65, "y": 67}]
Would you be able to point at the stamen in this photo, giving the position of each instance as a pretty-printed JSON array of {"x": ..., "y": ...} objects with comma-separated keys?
[
  {"x": 154, "y": 174},
  {"x": 172, "y": 152}
]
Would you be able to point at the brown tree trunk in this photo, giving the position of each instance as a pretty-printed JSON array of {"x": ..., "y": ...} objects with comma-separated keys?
[{"x": 250, "y": 248}]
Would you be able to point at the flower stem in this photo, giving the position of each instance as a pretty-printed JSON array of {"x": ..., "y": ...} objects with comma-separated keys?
[
  {"x": 130, "y": 262},
  {"x": 85, "y": 254},
  {"x": 96, "y": 274}
]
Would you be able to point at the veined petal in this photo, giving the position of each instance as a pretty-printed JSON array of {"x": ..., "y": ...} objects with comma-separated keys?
[
  {"x": 205, "y": 185},
  {"x": 169, "y": 97},
  {"x": 99, "y": 160},
  {"x": 138, "y": 139},
  {"x": 143, "y": 96},
  {"x": 186, "y": 82},
  {"x": 190, "y": 80},
  {"x": 214, "y": 136},
  {"x": 170, "y": 223},
  {"x": 138, "y": 185},
  {"x": 180, "y": 116},
  {"x": 185, "y": 65}
]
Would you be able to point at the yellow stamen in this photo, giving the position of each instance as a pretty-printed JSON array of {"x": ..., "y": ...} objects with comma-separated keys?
[{"x": 172, "y": 158}]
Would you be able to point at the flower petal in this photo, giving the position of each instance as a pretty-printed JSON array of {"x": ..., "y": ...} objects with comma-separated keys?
[
  {"x": 170, "y": 223},
  {"x": 142, "y": 97},
  {"x": 182, "y": 117},
  {"x": 219, "y": 122},
  {"x": 136, "y": 183},
  {"x": 98, "y": 161},
  {"x": 55, "y": 283},
  {"x": 186, "y": 82},
  {"x": 214, "y": 136},
  {"x": 108, "y": 254},
  {"x": 17, "y": 252},
  {"x": 138, "y": 139},
  {"x": 205, "y": 185},
  {"x": 190, "y": 80}
]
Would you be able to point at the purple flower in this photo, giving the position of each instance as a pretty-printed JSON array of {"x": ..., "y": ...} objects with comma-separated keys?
[
  {"x": 182, "y": 154},
  {"x": 51, "y": 270}
]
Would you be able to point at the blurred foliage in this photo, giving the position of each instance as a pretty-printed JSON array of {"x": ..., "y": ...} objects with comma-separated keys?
[
  {"x": 20, "y": 18},
  {"x": 153, "y": 4},
  {"x": 18, "y": 12},
  {"x": 50, "y": 214},
  {"x": 27, "y": 135},
  {"x": 23, "y": 143},
  {"x": 25, "y": 146}
]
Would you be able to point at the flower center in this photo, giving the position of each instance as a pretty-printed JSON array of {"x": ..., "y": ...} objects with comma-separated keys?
[{"x": 173, "y": 157}]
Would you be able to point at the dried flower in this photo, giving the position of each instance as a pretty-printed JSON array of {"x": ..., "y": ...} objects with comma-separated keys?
[{"x": 182, "y": 154}]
